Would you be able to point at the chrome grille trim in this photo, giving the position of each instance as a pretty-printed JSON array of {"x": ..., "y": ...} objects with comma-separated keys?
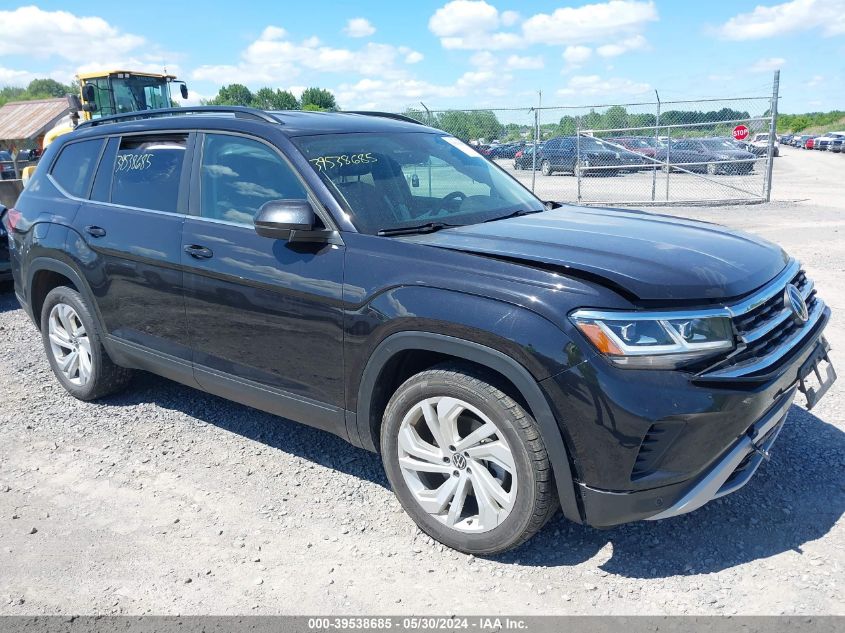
[
  {"x": 768, "y": 291},
  {"x": 785, "y": 313},
  {"x": 755, "y": 365}
]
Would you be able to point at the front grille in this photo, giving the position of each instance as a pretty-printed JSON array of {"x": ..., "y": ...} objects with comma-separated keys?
[{"x": 767, "y": 330}]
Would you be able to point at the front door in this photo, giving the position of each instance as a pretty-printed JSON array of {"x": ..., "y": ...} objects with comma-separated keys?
[{"x": 264, "y": 315}]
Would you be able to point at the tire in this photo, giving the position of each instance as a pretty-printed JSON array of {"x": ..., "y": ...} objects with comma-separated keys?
[
  {"x": 546, "y": 168},
  {"x": 712, "y": 169},
  {"x": 524, "y": 496},
  {"x": 67, "y": 328}
]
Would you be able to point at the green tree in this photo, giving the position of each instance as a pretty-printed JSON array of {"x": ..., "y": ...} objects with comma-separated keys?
[
  {"x": 269, "y": 99},
  {"x": 233, "y": 94},
  {"x": 319, "y": 98},
  {"x": 48, "y": 88}
]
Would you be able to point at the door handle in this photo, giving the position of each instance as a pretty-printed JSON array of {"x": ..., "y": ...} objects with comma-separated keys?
[
  {"x": 95, "y": 231},
  {"x": 199, "y": 252}
]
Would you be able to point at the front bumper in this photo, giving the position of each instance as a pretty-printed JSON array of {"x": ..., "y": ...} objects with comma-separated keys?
[{"x": 654, "y": 444}]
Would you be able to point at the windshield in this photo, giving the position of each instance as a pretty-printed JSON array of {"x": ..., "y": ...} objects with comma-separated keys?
[
  {"x": 590, "y": 143},
  {"x": 390, "y": 180},
  {"x": 115, "y": 95}
]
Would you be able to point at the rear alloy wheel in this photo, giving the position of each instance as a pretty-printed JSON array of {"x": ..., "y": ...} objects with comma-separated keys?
[
  {"x": 73, "y": 344},
  {"x": 712, "y": 169},
  {"x": 546, "y": 168},
  {"x": 466, "y": 461}
]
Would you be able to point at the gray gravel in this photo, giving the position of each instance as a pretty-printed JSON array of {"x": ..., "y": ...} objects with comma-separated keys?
[{"x": 169, "y": 501}]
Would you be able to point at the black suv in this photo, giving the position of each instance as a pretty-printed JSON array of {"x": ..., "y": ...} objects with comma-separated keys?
[{"x": 381, "y": 280}]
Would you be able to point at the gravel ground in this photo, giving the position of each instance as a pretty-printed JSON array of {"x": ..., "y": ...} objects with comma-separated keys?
[{"x": 166, "y": 500}]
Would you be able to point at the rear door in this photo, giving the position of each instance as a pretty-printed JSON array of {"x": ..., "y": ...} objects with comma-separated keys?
[
  {"x": 129, "y": 244},
  {"x": 264, "y": 315}
]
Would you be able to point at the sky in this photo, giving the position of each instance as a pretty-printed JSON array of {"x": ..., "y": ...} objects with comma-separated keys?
[{"x": 391, "y": 55}]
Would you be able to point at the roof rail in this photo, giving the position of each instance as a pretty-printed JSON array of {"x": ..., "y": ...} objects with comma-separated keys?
[
  {"x": 385, "y": 115},
  {"x": 237, "y": 111}
]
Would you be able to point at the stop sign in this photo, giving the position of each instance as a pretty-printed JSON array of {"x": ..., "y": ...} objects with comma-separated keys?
[{"x": 741, "y": 132}]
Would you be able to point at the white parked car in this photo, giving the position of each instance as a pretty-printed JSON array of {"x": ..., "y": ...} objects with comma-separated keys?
[
  {"x": 823, "y": 142},
  {"x": 759, "y": 145}
]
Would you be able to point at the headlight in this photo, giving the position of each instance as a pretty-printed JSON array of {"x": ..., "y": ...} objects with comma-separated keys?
[{"x": 643, "y": 340}]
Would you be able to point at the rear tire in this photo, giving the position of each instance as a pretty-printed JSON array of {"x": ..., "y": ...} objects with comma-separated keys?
[
  {"x": 73, "y": 343},
  {"x": 476, "y": 494},
  {"x": 546, "y": 168}
]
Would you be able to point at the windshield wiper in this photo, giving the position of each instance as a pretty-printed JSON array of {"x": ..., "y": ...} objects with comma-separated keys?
[
  {"x": 516, "y": 214},
  {"x": 428, "y": 227}
]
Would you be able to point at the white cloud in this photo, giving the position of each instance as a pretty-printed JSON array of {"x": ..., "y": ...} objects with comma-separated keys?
[
  {"x": 636, "y": 42},
  {"x": 768, "y": 64},
  {"x": 816, "y": 80},
  {"x": 359, "y": 27},
  {"x": 589, "y": 23},
  {"x": 484, "y": 59},
  {"x": 787, "y": 17},
  {"x": 576, "y": 55},
  {"x": 473, "y": 24},
  {"x": 275, "y": 59},
  {"x": 593, "y": 85},
  {"x": 37, "y": 33},
  {"x": 509, "y": 18},
  {"x": 517, "y": 62}
]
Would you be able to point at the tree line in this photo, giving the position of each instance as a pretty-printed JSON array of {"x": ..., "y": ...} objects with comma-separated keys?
[
  {"x": 36, "y": 89},
  {"x": 274, "y": 99}
]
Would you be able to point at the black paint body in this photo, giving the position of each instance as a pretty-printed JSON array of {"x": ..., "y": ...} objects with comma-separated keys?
[{"x": 313, "y": 331}]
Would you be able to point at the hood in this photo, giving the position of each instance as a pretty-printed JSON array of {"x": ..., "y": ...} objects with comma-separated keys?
[{"x": 652, "y": 257}]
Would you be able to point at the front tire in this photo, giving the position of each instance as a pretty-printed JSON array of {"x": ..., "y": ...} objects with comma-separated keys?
[
  {"x": 466, "y": 461},
  {"x": 546, "y": 168},
  {"x": 74, "y": 347}
]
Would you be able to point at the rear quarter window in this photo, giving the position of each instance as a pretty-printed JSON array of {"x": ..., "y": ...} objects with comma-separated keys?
[{"x": 74, "y": 167}]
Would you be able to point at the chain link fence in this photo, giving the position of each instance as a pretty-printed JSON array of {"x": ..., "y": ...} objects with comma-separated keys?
[{"x": 708, "y": 151}]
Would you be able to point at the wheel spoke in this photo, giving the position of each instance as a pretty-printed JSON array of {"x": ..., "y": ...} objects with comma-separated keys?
[
  {"x": 482, "y": 479},
  {"x": 497, "y": 452},
  {"x": 457, "y": 505},
  {"x": 448, "y": 410},
  {"x": 481, "y": 433},
  {"x": 433, "y": 424},
  {"x": 435, "y": 501},
  {"x": 415, "y": 446},
  {"x": 425, "y": 467},
  {"x": 488, "y": 511},
  {"x": 57, "y": 337},
  {"x": 64, "y": 314}
]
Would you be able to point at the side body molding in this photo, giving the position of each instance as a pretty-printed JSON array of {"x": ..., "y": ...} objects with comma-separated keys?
[{"x": 482, "y": 355}]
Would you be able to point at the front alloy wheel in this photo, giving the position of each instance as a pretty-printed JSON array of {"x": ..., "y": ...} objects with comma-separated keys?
[
  {"x": 70, "y": 344},
  {"x": 467, "y": 462},
  {"x": 457, "y": 464}
]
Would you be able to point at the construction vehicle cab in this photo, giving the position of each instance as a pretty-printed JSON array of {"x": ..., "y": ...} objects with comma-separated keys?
[{"x": 120, "y": 91}]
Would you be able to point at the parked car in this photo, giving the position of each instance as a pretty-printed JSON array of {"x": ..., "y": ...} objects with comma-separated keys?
[
  {"x": 809, "y": 142},
  {"x": 7, "y": 166},
  {"x": 5, "y": 264},
  {"x": 596, "y": 157},
  {"x": 707, "y": 155},
  {"x": 507, "y": 150},
  {"x": 759, "y": 145},
  {"x": 524, "y": 158},
  {"x": 823, "y": 142},
  {"x": 786, "y": 139},
  {"x": 836, "y": 144},
  {"x": 642, "y": 145},
  {"x": 503, "y": 355}
]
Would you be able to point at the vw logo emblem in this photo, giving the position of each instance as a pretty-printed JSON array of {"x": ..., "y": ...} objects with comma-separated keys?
[
  {"x": 793, "y": 300},
  {"x": 459, "y": 461}
]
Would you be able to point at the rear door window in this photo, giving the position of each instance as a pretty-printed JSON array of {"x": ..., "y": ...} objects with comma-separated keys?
[
  {"x": 147, "y": 171},
  {"x": 74, "y": 167}
]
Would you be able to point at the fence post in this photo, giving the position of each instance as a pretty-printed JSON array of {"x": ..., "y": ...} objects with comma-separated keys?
[
  {"x": 656, "y": 145},
  {"x": 578, "y": 157},
  {"x": 668, "y": 163},
  {"x": 773, "y": 126},
  {"x": 534, "y": 151}
]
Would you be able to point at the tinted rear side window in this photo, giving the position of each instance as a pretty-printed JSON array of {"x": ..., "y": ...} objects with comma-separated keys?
[
  {"x": 74, "y": 167},
  {"x": 147, "y": 171}
]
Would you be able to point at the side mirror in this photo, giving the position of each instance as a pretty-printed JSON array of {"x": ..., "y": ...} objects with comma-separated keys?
[
  {"x": 89, "y": 93},
  {"x": 74, "y": 103},
  {"x": 183, "y": 90},
  {"x": 281, "y": 219}
]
